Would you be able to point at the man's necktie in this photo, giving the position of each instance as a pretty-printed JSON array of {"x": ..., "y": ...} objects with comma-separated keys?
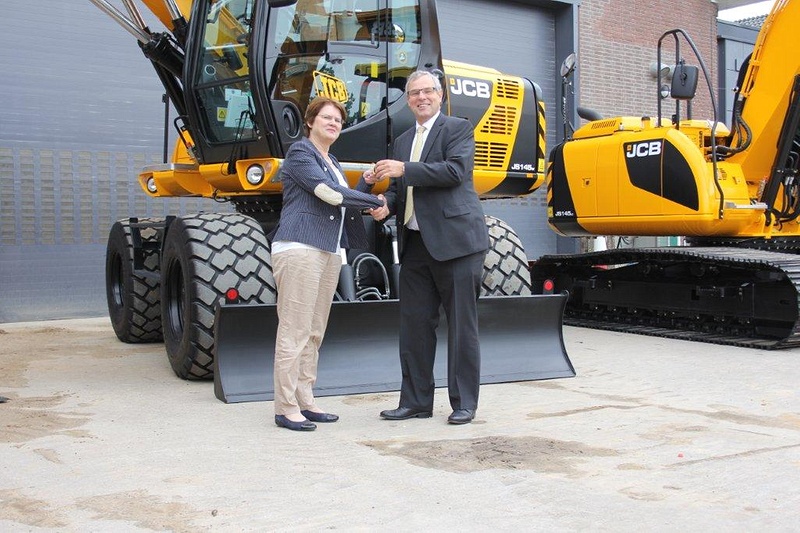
[{"x": 415, "y": 153}]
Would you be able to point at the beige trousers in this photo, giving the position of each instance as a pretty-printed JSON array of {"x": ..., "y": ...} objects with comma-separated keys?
[{"x": 306, "y": 281}]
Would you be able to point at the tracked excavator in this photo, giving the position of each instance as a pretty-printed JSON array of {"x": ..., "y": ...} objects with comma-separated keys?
[
  {"x": 240, "y": 74},
  {"x": 731, "y": 194}
]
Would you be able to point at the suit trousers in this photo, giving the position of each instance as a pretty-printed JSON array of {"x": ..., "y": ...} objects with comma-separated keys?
[
  {"x": 425, "y": 285},
  {"x": 306, "y": 280}
]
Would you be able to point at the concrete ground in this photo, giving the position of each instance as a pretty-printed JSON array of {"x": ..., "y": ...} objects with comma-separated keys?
[{"x": 652, "y": 435}]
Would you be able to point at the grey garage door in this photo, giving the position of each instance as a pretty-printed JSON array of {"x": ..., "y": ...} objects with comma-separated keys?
[
  {"x": 516, "y": 39},
  {"x": 81, "y": 115}
]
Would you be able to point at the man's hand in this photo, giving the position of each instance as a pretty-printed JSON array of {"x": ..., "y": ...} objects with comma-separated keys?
[{"x": 389, "y": 168}]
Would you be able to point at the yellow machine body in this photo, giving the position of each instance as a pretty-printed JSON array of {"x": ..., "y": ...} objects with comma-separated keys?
[
  {"x": 632, "y": 176},
  {"x": 728, "y": 199}
]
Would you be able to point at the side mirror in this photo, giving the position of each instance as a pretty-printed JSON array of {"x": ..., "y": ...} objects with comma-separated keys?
[
  {"x": 568, "y": 65},
  {"x": 280, "y": 3},
  {"x": 684, "y": 81}
]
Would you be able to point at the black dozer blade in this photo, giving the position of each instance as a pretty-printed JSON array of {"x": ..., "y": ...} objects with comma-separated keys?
[{"x": 521, "y": 340}]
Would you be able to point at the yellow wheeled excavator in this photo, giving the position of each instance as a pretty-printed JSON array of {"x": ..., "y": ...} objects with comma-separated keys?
[
  {"x": 732, "y": 194},
  {"x": 240, "y": 74}
]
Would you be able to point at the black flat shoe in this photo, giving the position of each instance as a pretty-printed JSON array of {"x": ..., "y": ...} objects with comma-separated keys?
[
  {"x": 319, "y": 417},
  {"x": 461, "y": 416},
  {"x": 404, "y": 413},
  {"x": 305, "y": 425}
]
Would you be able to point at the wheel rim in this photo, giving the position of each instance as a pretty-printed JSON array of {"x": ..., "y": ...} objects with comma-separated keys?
[
  {"x": 175, "y": 299},
  {"x": 116, "y": 281}
]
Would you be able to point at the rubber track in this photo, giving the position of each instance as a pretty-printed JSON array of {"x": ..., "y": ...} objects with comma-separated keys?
[{"x": 787, "y": 263}]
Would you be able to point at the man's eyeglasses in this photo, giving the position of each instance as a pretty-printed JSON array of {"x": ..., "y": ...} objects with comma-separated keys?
[
  {"x": 330, "y": 118},
  {"x": 427, "y": 91}
]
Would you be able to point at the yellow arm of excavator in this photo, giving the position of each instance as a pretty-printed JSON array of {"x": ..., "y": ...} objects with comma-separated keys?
[
  {"x": 767, "y": 87},
  {"x": 159, "y": 9}
]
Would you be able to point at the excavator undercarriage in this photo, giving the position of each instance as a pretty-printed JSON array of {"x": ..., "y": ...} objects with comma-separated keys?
[
  {"x": 723, "y": 295},
  {"x": 730, "y": 193}
]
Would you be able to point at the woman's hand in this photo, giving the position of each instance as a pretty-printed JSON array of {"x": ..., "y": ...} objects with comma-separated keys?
[
  {"x": 380, "y": 213},
  {"x": 370, "y": 177}
]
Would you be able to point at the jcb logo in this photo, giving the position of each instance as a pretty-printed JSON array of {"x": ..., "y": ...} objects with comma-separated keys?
[
  {"x": 330, "y": 86},
  {"x": 478, "y": 89},
  {"x": 643, "y": 149}
]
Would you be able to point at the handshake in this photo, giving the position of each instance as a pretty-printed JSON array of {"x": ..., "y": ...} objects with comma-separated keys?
[{"x": 379, "y": 213}]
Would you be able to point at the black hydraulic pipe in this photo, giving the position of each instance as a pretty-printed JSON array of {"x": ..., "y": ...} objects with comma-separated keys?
[
  {"x": 161, "y": 49},
  {"x": 347, "y": 282},
  {"x": 785, "y": 143},
  {"x": 165, "y": 100}
]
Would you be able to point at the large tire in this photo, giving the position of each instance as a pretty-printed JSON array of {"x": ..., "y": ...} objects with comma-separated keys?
[
  {"x": 204, "y": 256},
  {"x": 505, "y": 270},
  {"x": 133, "y": 299}
]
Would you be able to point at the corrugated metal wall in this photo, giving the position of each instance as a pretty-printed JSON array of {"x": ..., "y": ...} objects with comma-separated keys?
[
  {"x": 82, "y": 114},
  {"x": 516, "y": 39},
  {"x": 734, "y": 44}
]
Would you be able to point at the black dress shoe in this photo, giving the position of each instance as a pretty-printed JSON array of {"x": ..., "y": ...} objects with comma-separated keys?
[
  {"x": 319, "y": 417},
  {"x": 461, "y": 416},
  {"x": 305, "y": 425},
  {"x": 404, "y": 413}
]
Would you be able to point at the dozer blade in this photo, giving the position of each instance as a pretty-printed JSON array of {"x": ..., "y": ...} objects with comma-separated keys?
[{"x": 521, "y": 340}]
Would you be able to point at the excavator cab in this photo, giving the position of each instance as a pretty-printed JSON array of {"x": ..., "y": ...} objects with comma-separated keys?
[{"x": 257, "y": 65}]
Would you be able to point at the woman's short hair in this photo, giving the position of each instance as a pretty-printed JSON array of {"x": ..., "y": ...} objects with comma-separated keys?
[{"x": 314, "y": 108}]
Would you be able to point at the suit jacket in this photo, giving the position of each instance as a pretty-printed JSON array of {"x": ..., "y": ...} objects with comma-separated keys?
[
  {"x": 312, "y": 202},
  {"x": 449, "y": 213}
]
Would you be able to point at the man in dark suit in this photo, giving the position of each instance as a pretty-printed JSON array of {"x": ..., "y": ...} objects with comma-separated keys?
[{"x": 443, "y": 241}]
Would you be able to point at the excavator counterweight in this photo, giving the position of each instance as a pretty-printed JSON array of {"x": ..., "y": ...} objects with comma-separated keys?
[{"x": 731, "y": 196}]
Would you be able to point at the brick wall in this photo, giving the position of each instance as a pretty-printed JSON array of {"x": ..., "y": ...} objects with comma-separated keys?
[{"x": 618, "y": 42}]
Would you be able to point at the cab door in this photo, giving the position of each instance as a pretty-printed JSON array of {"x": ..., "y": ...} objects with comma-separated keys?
[{"x": 220, "y": 109}]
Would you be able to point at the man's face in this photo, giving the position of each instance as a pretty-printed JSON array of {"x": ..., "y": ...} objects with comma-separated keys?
[{"x": 423, "y": 99}]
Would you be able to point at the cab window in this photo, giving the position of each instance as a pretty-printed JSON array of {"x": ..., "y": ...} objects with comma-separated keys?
[
  {"x": 354, "y": 51},
  {"x": 222, "y": 83}
]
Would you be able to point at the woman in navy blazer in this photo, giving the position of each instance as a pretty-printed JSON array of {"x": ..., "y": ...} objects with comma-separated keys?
[{"x": 320, "y": 216}]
